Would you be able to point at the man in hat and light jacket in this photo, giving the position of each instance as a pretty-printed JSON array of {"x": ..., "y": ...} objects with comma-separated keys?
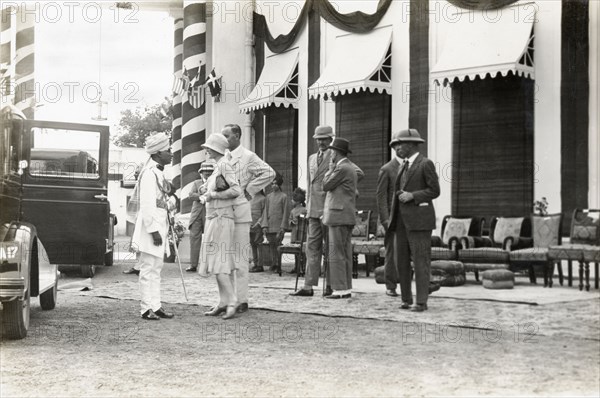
[
  {"x": 340, "y": 183},
  {"x": 151, "y": 226},
  {"x": 412, "y": 216},
  {"x": 318, "y": 164},
  {"x": 198, "y": 214}
]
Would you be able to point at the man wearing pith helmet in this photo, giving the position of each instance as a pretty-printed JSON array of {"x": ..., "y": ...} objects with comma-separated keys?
[{"x": 412, "y": 217}]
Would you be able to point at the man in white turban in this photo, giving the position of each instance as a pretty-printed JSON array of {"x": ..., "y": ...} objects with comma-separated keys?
[{"x": 151, "y": 226}]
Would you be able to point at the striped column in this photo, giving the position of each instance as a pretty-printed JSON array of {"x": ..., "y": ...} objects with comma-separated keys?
[
  {"x": 193, "y": 121},
  {"x": 176, "y": 135},
  {"x": 6, "y": 52},
  {"x": 24, "y": 63}
]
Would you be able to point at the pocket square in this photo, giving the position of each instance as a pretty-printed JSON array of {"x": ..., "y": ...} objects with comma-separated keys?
[{"x": 424, "y": 204}]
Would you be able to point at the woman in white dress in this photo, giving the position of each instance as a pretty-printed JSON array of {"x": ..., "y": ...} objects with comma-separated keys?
[{"x": 220, "y": 192}]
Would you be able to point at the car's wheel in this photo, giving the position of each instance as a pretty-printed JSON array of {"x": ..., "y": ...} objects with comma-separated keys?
[
  {"x": 109, "y": 258},
  {"x": 48, "y": 298},
  {"x": 15, "y": 317},
  {"x": 88, "y": 271}
]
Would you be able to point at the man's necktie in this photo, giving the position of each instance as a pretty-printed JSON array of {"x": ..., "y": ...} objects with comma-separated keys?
[
  {"x": 403, "y": 174},
  {"x": 319, "y": 157}
]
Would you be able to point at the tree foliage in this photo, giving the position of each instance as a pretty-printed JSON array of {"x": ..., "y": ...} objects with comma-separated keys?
[{"x": 135, "y": 125}]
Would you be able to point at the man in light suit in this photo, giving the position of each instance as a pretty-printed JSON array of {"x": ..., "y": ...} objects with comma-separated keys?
[
  {"x": 198, "y": 214},
  {"x": 318, "y": 164},
  {"x": 253, "y": 175},
  {"x": 151, "y": 226},
  {"x": 385, "y": 195},
  {"x": 413, "y": 217},
  {"x": 339, "y": 215}
]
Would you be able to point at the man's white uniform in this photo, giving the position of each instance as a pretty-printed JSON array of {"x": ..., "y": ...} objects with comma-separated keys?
[{"x": 152, "y": 217}]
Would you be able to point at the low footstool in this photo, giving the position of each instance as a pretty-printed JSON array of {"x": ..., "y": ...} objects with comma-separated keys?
[
  {"x": 498, "y": 279},
  {"x": 448, "y": 273}
]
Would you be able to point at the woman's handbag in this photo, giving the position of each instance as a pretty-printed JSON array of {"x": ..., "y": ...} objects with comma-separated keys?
[{"x": 221, "y": 184}]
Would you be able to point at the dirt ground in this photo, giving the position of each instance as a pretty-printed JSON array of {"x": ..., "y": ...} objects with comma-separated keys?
[{"x": 98, "y": 346}]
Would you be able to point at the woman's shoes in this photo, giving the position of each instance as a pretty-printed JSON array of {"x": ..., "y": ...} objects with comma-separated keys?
[
  {"x": 230, "y": 312},
  {"x": 216, "y": 310}
]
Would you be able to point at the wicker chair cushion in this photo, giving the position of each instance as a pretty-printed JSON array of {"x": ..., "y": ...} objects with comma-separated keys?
[
  {"x": 458, "y": 227},
  {"x": 367, "y": 247},
  {"x": 442, "y": 253},
  {"x": 569, "y": 251},
  {"x": 546, "y": 230},
  {"x": 470, "y": 267},
  {"x": 483, "y": 255},
  {"x": 591, "y": 254},
  {"x": 530, "y": 254},
  {"x": 506, "y": 227}
]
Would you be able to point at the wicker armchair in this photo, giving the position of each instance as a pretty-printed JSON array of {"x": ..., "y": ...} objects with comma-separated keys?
[{"x": 446, "y": 247}]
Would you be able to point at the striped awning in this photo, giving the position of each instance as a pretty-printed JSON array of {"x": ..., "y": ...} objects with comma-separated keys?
[
  {"x": 482, "y": 43},
  {"x": 358, "y": 62},
  {"x": 277, "y": 85}
]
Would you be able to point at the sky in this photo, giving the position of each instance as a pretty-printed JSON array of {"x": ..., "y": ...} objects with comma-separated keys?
[{"x": 128, "y": 53}]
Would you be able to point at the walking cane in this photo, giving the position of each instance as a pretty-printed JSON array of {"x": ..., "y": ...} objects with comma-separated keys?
[
  {"x": 325, "y": 260},
  {"x": 178, "y": 260}
]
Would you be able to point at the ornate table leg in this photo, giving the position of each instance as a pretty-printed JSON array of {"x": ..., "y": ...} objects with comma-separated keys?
[
  {"x": 587, "y": 276},
  {"x": 580, "y": 275}
]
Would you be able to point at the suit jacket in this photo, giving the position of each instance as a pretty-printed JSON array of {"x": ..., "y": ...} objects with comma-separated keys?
[
  {"x": 385, "y": 188},
  {"x": 340, "y": 200},
  {"x": 422, "y": 181},
  {"x": 198, "y": 212},
  {"x": 316, "y": 173}
]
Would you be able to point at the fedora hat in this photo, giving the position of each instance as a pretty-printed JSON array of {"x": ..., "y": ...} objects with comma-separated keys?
[
  {"x": 341, "y": 145},
  {"x": 216, "y": 142},
  {"x": 409, "y": 135},
  {"x": 323, "y": 132}
]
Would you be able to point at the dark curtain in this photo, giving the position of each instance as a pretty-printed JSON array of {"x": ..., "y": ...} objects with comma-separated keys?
[
  {"x": 281, "y": 152},
  {"x": 365, "y": 120},
  {"x": 574, "y": 91},
  {"x": 314, "y": 63},
  {"x": 492, "y": 158}
]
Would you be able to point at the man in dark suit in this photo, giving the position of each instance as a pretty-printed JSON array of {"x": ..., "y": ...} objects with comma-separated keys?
[
  {"x": 318, "y": 164},
  {"x": 339, "y": 215},
  {"x": 385, "y": 195},
  {"x": 413, "y": 217}
]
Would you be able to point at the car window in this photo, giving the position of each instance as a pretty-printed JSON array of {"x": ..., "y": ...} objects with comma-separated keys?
[{"x": 64, "y": 153}]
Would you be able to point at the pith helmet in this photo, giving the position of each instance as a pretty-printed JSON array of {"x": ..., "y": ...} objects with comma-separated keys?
[{"x": 409, "y": 135}]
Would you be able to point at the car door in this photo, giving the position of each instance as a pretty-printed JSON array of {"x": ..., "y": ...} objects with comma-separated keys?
[{"x": 65, "y": 190}]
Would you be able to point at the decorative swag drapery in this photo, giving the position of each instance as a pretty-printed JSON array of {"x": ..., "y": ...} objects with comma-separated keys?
[{"x": 354, "y": 22}]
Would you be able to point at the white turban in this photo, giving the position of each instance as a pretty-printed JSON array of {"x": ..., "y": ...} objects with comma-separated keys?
[{"x": 156, "y": 143}]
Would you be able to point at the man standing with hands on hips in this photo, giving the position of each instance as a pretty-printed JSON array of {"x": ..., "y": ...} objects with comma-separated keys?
[
  {"x": 339, "y": 215},
  {"x": 152, "y": 224},
  {"x": 413, "y": 217},
  {"x": 253, "y": 175}
]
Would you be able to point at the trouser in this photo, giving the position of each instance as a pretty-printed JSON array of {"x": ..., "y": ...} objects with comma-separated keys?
[
  {"x": 195, "y": 242},
  {"x": 256, "y": 238},
  {"x": 314, "y": 252},
  {"x": 150, "y": 267},
  {"x": 390, "y": 266},
  {"x": 241, "y": 257},
  {"x": 273, "y": 244},
  {"x": 340, "y": 257},
  {"x": 418, "y": 245}
]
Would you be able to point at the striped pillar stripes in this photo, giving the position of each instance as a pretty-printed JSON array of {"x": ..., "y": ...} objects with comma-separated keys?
[
  {"x": 193, "y": 121},
  {"x": 24, "y": 62},
  {"x": 6, "y": 65},
  {"x": 176, "y": 135}
]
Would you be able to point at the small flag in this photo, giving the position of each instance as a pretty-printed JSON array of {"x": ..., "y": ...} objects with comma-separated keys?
[
  {"x": 177, "y": 85},
  {"x": 185, "y": 79},
  {"x": 214, "y": 83}
]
